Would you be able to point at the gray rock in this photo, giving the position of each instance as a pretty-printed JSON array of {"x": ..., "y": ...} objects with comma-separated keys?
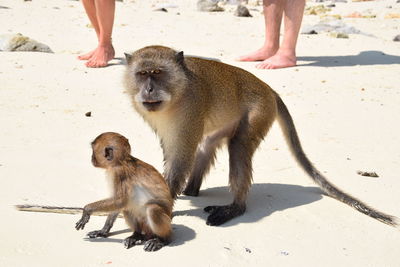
[
  {"x": 208, "y": 6},
  {"x": 397, "y": 38},
  {"x": 242, "y": 11},
  {"x": 331, "y": 26},
  {"x": 19, "y": 42}
]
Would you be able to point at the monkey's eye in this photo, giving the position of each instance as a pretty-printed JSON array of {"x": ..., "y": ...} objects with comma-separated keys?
[
  {"x": 143, "y": 72},
  {"x": 156, "y": 71}
]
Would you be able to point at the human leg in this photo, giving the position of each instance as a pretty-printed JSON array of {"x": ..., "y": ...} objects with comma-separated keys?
[
  {"x": 104, "y": 52},
  {"x": 286, "y": 54},
  {"x": 273, "y": 10},
  {"x": 90, "y": 9}
]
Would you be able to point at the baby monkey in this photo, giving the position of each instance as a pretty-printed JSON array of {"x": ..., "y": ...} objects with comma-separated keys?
[{"x": 139, "y": 192}]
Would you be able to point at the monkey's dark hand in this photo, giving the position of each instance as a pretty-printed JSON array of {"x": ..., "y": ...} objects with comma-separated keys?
[
  {"x": 81, "y": 223},
  {"x": 97, "y": 233}
]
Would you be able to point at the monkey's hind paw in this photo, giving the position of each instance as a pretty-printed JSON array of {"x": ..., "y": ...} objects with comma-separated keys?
[
  {"x": 133, "y": 240},
  {"x": 221, "y": 214},
  {"x": 153, "y": 244},
  {"x": 97, "y": 233}
]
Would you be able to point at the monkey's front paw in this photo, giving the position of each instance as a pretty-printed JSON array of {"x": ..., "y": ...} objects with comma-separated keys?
[
  {"x": 153, "y": 244},
  {"x": 81, "y": 223},
  {"x": 133, "y": 240},
  {"x": 222, "y": 214},
  {"x": 96, "y": 234}
]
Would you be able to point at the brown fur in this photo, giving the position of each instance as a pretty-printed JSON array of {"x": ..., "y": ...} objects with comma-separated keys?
[
  {"x": 139, "y": 192},
  {"x": 196, "y": 105}
]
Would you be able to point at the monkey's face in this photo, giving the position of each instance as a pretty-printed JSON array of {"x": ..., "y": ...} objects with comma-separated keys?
[
  {"x": 154, "y": 78},
  {"x": 152, "y": 93}
]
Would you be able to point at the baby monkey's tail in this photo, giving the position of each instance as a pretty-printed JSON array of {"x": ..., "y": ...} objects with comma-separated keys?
[{"x": 55, "y": 209}]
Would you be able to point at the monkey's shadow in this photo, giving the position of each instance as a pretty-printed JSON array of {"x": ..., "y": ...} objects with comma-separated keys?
[
  {"x": 181, "y": 234},
  {"x": 263, "y": 200}
]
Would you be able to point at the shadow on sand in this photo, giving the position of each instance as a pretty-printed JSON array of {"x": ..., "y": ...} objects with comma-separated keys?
[
  {"x": 364, "y": 58},
  {"x": 263, "y": 200}
]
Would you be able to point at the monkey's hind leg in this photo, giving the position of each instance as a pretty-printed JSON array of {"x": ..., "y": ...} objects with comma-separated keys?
[
  {"x": 137, "y": 237},
  {"x": 133, "y": 240},
  {"x": 159, "y": 223},
  {"x": 106, "y": 228},
  {"x": 249, "y": 133},
  {"x": 204, "y": 160}
]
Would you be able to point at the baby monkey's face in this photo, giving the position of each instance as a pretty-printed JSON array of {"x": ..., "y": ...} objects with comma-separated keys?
[{"x": 109, "y": 149}]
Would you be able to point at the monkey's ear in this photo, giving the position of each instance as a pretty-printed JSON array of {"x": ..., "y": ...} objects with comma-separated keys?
[
  {"x": 128, "y": 57},
  {"x": 109, "y": 153},
  {"x": 179, "y": 57}
]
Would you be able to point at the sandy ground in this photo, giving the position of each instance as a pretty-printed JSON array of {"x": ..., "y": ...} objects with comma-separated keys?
[{"x": 344, "y": 96}]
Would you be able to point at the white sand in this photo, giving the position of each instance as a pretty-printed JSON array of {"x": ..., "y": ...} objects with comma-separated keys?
[{"x": 344, "y": 97}]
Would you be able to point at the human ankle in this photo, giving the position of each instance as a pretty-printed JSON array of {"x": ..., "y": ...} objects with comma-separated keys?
[{"x": 288, "y": 52}]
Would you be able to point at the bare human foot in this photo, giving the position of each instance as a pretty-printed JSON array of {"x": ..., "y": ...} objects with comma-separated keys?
[
  {"x": 100, "y": 57},
  {"x": 86, "y": 56},
  {"x": 280, "y": 60},
  {"x": 259, "y": 55}
]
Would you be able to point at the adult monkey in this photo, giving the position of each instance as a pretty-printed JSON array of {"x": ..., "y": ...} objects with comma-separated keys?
[{"x": 195, "y": 104}]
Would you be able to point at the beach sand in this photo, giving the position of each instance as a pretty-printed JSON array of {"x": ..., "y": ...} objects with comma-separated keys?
[{"x": 344, "y": 97}]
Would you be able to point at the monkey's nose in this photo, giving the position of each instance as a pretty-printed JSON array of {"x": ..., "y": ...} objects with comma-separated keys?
[{"x": 149, "y": 90}]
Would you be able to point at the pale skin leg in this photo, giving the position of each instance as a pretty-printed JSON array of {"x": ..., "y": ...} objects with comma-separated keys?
[
  {"x": 101, "y": 16},
  {"x": 273, "y": 55}
]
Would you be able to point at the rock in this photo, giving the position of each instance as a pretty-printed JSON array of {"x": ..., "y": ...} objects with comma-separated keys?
[
  {"x": 233, "y": 2},
  {"x": 368, "y": 174},
  {"x": 316, "y": 10},
  {"x": 339, "y": 35},
  {"x": 162, "y": 9},
  {"x": 19, "y": 42},
  {"x": 330, "y": 26},
  {"x": 397, "y": 38},
  {"x": 242, "y": 11},
  {"x": 208, "y": 6}
]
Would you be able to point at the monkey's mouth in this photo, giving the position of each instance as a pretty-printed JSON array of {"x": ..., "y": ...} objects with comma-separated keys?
[{"x": 152, "y": 105}]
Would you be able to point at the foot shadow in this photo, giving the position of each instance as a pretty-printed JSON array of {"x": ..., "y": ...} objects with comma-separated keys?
[
  {"x": 365, "y": 58},
  {"x": 263, "y": 200},
  {"x": 117, "y": 61}
]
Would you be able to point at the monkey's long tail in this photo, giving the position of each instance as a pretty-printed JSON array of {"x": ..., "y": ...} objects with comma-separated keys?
[
  {"x": 55, "y": 209},
  {"x": 287, "y": 125}
]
